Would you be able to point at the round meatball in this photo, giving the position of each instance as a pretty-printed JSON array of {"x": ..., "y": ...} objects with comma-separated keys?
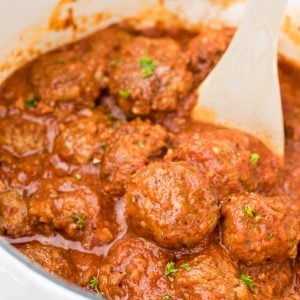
[
  {"x": 205, "y": 50},
  {"x": 73, "y": 207},
  {"x": 77, "y": 72},
  {"x": 52, "y": 259},
  {"x": 151, "y": 76},
  {"x": 83, "y": 138},
  {"x": 22, "y": 137},
  {"x": 71, "y": 73},
  {"x": 133, "y": 146},
  {"x": 13, "y": 215},
  {"x": 224, "y": 156},
  {"x": 209, "y": 275},
  {"x": 256, "y": 228},
  {"x": 270, "y": 280},
  {"x": 134, "y": 269},
  {"x": 171, "y": 203}
]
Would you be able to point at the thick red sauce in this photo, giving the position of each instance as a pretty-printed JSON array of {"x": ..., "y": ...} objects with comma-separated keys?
[{"x": 106, "y": 182}]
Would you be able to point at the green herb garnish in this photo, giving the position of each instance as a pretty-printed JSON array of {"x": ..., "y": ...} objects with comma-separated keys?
[
  {"x": 32, "y": 102},
  {"x": 110, "y": 117},
  {"x": 248, "y": 210},
  {"x": 124, "y": 94},
  {"x": 170, "y": 268},
  {"x": 186, "y": 267},
  {"x": 142, "y": 145},
  {"x": 147, "y": 66},
  {"x": 79, "y": 219},
  {"x": 93, "y": 283},
  {"x": 114, "y": 62},
  {"x": 247, "y": 280},
  {"x": 61, "y": 61},
  {"x": 270, "y": 234},
  {"x": 254, "y": 158},
  {"x": 78, "y": 176},
  {"x": 166, "y": 297}
]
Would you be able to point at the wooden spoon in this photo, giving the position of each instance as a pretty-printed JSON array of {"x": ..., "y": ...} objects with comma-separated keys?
[{"x": 242, "y": 91}]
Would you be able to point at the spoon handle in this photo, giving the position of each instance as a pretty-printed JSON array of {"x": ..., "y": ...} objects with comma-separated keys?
[
  {"x": 243, "y": 90},
  {"x": 261, "y": 25}
]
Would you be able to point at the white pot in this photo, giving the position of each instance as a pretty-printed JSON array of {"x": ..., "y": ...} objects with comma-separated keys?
[{"x": 24, "y": 32}]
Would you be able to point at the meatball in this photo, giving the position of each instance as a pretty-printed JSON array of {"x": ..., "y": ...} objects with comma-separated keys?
[
  {"x": 76, "y": 72},
  {"x": 134, "y": 269},
  {"x": 83, "y": 137},
  {"x": 205, "y": 50},
  {"x": 71, "y": 73},
  {"x": 13, "y": 215},
  {"x": 224, "y": 156},
  {"x": 22, "y": 137},
  {"x": 52, "y": 259},
  {"x": 73, "y": 208},
  {"x": 270, "y": 280},
  {"x": 256, "y": 228},
  {"x": 151, "y": 76},
  {"x": 209, "y": 275},
  {"x": 133, "y": 146},
  {"x": 171, "y": 203}
]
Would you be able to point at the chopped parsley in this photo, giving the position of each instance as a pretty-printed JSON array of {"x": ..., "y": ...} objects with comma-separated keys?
[
  {"x": 254, "y": 158},
  {"x": 142, "y": 145},
  {"x": 32, "y": 102},
  {"x": 93, "y": 283},
  {"x": 247, "y": 280},
  {"x": 166, "y": 297},
  {"x": 110, "y": 117},
  {"x": 170, "y": 268},
  {"x": 78, "y": 176},
  {"x": 124, "y": 94},
  {"x": 248, "y": 211},
  {"x": 147, "y": 66},
  {"x": 61, "y": 61},
  {"x": 270, "y": 234},
  {"x": 114, "y": 62},
  {"x": 186, "y": 267},
  {"x": 79, "y": 219}
]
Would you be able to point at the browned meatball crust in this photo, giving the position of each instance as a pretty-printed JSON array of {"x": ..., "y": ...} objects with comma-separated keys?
[
  {"x": 210, "y": 275},
  {"x": 54, "y": 260},
  {"x": 22, "y": 137},
  {"x": 83, "y": 138},
  {"x": 224, "y": 156},
  {"x": 205, "y": 50},
  {"x": 154, "y": 74},
  {"x": 74, "y": 208},
  {"x": 134, "y": 269},
  {"x": 256, "y": 228},
  {"x": 133, "y": 146},
  {"x": 270, "y": 279},
  {"x": 171, "y": 203},
  {"x": 13, "y": 215},
  {"x": 69, "y": 74},
  {"x": 76, "y": 72}
]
